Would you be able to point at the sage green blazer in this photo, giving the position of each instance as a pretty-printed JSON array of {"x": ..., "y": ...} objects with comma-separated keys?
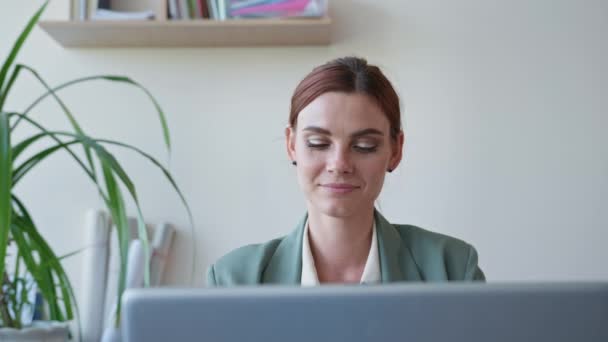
[{"x": 407, "y": 253}]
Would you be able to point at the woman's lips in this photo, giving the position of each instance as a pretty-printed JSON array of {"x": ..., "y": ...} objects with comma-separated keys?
[{"x": 339, "y": 188}]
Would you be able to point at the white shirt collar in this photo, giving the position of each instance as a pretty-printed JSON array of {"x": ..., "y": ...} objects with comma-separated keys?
[{"x": 371, "y": 272}]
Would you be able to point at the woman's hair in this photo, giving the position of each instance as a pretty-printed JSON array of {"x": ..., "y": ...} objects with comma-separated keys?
[{"x": 348, "y": 75}]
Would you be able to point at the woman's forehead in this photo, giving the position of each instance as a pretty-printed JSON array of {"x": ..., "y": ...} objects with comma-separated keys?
[{"x": 350, "y": 112}]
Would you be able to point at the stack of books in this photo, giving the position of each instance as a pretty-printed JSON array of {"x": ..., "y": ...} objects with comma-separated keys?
[
  {"x": 276, "y": 8},
  {"x": 188, "y": 9},
  {"x": 234, "y": 9}
]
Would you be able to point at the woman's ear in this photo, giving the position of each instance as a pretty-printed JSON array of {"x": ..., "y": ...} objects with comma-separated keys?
[
  {"x": 396, "y": 151},
  {"x": 290, "y": 142}
]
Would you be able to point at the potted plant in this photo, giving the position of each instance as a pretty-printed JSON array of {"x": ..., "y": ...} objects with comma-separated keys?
[{"x": 32, "y": 256}]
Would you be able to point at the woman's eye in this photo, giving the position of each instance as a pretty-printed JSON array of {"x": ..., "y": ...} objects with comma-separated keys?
[
  {"x": 365, "y": 147},
  {"x": 317, "y": 143}
]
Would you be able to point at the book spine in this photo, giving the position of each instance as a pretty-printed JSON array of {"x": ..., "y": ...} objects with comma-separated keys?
[
  {"x": 192, "y": 9},
  {"x": 204, "y": 10},
  {"x": 221, "y": 9},
  {"x": 197, "y": 9},
  {"x": 91, "y": 8},
  {"x": 173, "y": 11},
  {"x": 287, "y": 6},
  {"x": 212, "y": 4},
  {"x": 83, "y": 9},
  {"x": 184, "y": 9}
]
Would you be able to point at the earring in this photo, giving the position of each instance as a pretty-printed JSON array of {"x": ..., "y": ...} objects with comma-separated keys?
[
  {"x": 293, "y": 162},
  {"x": 389, "y": 170}
]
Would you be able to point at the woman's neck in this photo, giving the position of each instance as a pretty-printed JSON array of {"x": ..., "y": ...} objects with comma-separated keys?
[{"x": 340, "y": 245}]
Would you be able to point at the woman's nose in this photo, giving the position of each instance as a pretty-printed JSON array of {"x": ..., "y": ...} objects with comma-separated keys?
[{"x": 339, "y": 161}]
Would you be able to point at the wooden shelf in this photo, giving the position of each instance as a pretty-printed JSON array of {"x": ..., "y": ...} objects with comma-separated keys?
[{"x": 190, "y": 33}]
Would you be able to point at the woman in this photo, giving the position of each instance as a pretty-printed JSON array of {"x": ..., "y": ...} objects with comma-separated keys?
[{"x": 344, "y": 134}]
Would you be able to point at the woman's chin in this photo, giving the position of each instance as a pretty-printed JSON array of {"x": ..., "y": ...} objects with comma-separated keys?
[{"x": 341, "y": 210}]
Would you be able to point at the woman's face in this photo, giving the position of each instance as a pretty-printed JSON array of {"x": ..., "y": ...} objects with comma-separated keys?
[{"x": 343, "y": 149}]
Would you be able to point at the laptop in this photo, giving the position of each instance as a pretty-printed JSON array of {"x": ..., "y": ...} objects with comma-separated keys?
[{"x": 471, "y": 312}]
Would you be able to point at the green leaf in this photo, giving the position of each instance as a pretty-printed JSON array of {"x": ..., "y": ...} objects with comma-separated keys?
[
  {"x": 108, "y": 159},
  {"x": 5, "y": 187},
  {"x": 44, "y": 133},
  {"x": 43, "y": 279},
  {"x": 161, "y": 114},
  {"x": 49, "y": 268},
  {"x": 15, "y": 50},
  {"x": 116, "y": 206},
  {"x": 119, "y": 217},
  {"x": 115, "y": 165},
  {"x": 30, "y": 163},
  {"x": 54, "y": 90},
  {"x": 20, "y": 147},
  {"x": 112, "y": 78},
  {"x": 167, "y": 175},
  {"x": 67, "y": 112},
  {"x": 9, "y": 85}
]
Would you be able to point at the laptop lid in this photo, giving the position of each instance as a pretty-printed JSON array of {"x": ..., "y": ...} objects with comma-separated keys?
[{"x": 396, "y": 312}]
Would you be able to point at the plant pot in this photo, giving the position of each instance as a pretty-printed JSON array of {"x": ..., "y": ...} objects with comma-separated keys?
[{"x": 39, "y": 331}]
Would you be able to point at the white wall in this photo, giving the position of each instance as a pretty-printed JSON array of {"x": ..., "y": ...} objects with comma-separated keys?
[{"x": 505, "y": 113}]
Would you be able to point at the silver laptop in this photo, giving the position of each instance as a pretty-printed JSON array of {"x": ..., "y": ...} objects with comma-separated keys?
[{"x": 419, "y": 312}]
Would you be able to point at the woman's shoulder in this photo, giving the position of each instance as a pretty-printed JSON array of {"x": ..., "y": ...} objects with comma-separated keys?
[
  {"x": 415, "y": 236},
  {"x": 242, "y": 265},
  {"x": 438, "y": 255}
]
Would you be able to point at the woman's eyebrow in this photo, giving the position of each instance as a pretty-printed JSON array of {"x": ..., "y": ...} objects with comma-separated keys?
[
  {"x": 366, "y": 131},
  {"x": 317, "y": 129}
]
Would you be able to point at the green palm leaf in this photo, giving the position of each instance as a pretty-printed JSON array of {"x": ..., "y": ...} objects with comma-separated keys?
[
  {"x": 49, "y": 271},
  {"x": 5, "y": 187},
  {"x": 67, "y": 112},
  {"x": 15, "y": 50},
  {"x": 15, "y": 220},
  {"x": 112, "y": 78},
  {"x": 93, "y": 143},
  {"x": 119, "y": 216},
  {"x": 27, "y": 142},
  {"x": 48, "y": 260},
  {"x": 31, "y": 162}
]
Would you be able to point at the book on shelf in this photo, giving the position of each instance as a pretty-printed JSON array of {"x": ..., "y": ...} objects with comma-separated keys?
[
  {"x": 188, "y": 9},
  {"x": 104, "y": 14},
  {"x": 184, "y": 9},
  {"x": 78, "y": 10},
  {"x": 213, "y": 10},
  {"x": 173, "y": 9},
  {"x": 204, "y": 9},
  {"x": 118, "y": 9},
  {"x": 221, "y": 9},
  {"x": 275, "y": 8},
  {"x": 194, "y": 9}
]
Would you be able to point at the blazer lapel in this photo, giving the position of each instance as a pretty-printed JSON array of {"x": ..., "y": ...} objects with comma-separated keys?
[
  {"x": 396, "y": 262},
  {"x": 285, "y": 266}
]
